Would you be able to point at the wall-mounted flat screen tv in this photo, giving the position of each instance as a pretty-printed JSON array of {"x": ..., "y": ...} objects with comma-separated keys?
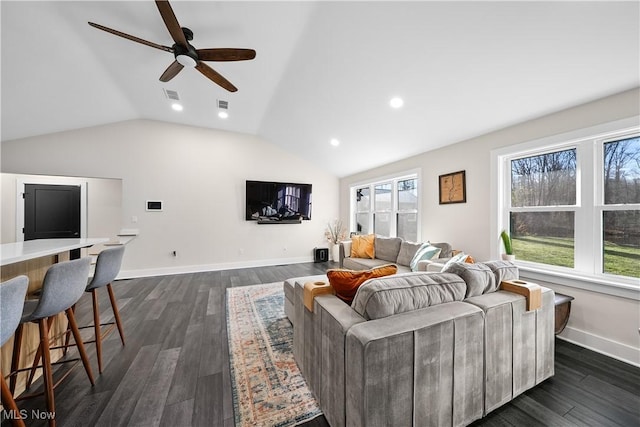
[{"x": 277, "y": 201}]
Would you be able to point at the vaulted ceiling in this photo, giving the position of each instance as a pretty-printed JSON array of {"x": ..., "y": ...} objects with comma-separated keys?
[{"x": 323, "y": 69}]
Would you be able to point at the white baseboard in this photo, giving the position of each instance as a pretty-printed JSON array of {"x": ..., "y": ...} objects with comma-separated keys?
[
  {"x": 623, "y": 352},
  {"x": 184, "y": 269}
]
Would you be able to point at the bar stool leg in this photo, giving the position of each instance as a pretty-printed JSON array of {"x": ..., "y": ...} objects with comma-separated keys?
[
  {"x": 78, "y": 338},
  {"x": 36, "y": 359},
  {"x": 97, "y": 328},
  {"x": 47, "y": 373},
  {"x": 15, "y": 359},
  {"x": 116, "y": 312},
  {"x": 10, "y": 404}
]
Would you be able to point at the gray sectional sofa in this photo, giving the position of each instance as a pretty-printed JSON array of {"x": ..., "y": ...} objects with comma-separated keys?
[
  {"x": 396, "y": 251},
  {"x": 422, "y": 349}
]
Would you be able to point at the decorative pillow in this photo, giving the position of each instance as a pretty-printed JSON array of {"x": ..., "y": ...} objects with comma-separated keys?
[
  {"x": 363, "y": 246},
  {"x": 426, "y": 252},
  {"x": 460, "y": 257},
  {"x": 346, "y": 282}
]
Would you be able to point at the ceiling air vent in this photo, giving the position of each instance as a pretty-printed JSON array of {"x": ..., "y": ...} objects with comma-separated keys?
[
  {"x": 223, "y": 104},
  {"x": 171, "y": 94}
]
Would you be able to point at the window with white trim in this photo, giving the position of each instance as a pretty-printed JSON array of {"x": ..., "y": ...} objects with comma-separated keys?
[
  {"x": 575, "y": 205},
  {"x": 387, "y": 207}
]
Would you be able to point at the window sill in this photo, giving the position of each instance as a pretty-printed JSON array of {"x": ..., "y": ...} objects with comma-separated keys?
[{"x": 603, "y": 285}]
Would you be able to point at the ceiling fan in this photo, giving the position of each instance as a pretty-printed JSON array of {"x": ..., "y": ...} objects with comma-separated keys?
[{"x": 185, "y": 54}]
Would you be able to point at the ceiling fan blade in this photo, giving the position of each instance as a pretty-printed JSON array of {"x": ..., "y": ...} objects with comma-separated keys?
[
  {"x": 224, "y": 54},
  {"x": 171, "y": 22},
  {"x": 171, "y": 71},
  {"x": 214, "y": 76},
  {"x": 130, "y": 37}
]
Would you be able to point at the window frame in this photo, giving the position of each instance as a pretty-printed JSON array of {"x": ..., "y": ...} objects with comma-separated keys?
[
  {"x": 394, "y": 211},
  {"x": 589, "y": 207}
]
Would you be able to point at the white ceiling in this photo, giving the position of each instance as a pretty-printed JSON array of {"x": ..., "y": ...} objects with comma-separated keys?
[{"x": 323, "y": 69}]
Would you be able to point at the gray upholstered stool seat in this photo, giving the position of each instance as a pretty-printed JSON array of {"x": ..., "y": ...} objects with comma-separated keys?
[
  {"x": 62, "y": 287},
  {"x": 107, "y": 268},
  {"x": 12, "y": 294}
]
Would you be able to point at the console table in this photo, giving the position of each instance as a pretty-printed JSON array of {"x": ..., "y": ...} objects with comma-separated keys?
[{"x": 563, "y": 309}]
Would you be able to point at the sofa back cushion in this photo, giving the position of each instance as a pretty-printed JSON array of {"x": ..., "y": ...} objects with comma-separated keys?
[
  {"x": 363, "y": 246},
  {"x": 407, "y": 251},
  {"x": 346, "y": 282},
  {"x": 479, "y": 278},
  {"x": 503, "y": 270},
  {"x": 387, "y": 248},
  {"x": 446, "y": 249},
  {"x": 386, "y": 296}
]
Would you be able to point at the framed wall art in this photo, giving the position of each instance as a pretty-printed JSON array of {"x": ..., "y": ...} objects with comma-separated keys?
[{"x": 452, "y": 188}]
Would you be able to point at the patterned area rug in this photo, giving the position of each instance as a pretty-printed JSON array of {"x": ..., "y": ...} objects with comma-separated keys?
[{"x": 268, "y": 389}]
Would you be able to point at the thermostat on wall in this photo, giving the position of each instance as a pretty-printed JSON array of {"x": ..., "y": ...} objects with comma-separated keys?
[{"x": 154, "y": 205}]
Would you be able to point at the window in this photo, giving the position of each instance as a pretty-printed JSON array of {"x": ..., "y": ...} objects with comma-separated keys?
[
  {"x": 574, "y": 205},
  {"x": 392, "y": 211},
  {"x": 620, "y": 213}
]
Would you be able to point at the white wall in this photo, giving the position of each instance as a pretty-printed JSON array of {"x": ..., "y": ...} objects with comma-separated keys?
[
  {"x": 606, "y": 323},
  {"x": 200, "y": 175}
]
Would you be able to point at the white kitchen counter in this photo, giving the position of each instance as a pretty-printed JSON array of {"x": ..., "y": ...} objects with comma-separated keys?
[{"x": 11, "y": 253}]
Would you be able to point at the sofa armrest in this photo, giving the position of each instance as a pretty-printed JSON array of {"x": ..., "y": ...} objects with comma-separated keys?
[{"x": 345, "y": 250}]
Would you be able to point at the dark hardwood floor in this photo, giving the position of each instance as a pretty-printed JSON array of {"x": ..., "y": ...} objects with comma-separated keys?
[{"x": 174, "y": 369}]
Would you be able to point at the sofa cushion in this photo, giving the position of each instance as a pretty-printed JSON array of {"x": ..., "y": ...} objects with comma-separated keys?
[
  {"x": 425, "y": 253},
  {"x": 387, "y": 248},
  {"x": 479, "y": 278},
  {"x": 503, "y": 270},
  {"x": 386, "y": 296},
  {"x": 346, "y": 282},
  {"x": 446, "y": 249},
  {"x": 407, "y": 251},
  {"x": 363, "y": 246}
]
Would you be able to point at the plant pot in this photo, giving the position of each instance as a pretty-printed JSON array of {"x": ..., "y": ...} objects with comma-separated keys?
[{"x": 507, "y": 257}]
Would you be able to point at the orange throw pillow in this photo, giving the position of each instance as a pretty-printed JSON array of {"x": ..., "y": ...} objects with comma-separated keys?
[
  {"x": 363, "y": 246},
  {"x": 346, "y": 282}
]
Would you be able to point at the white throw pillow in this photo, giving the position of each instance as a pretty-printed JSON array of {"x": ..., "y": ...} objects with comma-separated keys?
[{"x": 426, "y": 252}]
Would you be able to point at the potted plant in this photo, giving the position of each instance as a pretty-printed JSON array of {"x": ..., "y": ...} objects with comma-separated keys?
[
  {"x": 508, "y": 254},
  {"x": 334, "y": 233}
]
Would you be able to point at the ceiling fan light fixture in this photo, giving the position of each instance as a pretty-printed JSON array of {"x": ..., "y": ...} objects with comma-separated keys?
[
  {"x": 186, "y": 61},
  {"x": 396, "y": 102}
]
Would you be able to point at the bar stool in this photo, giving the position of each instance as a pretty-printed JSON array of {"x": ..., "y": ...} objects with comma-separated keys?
[
  {"x": 107, "y": 268},
  {"x": 62, "y": 287},
  {"x": 12, "y": 294}
]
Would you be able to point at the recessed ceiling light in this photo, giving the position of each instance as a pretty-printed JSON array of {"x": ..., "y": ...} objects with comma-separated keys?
[
  {"x": 396, "y": 102},
  {"x": 223, "y": 114},
  {"x": 176, "y": 107},
  {"x": 334, "y": 142}
]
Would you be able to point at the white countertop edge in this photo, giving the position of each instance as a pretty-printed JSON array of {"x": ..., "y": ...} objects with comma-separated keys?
[{"x": 10, "y": 253}]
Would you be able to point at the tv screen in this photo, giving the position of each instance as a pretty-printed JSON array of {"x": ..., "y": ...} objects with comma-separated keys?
[{"x": 277, "y": 201}]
